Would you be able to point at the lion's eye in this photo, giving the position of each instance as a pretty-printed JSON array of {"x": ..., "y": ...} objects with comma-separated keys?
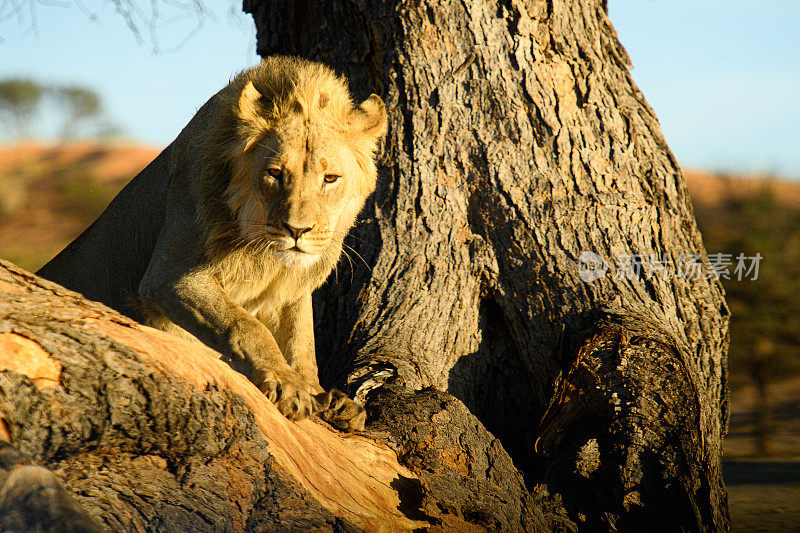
[
  {"x": 276, "y": 173},
  {"x": 331, "y": 178}
]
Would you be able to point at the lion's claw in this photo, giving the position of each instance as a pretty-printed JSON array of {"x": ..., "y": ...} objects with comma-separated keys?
[
  {"x": 340, "y": 411},
  {"x": 296, "y": 399},
  {"x": 293, "y": 402}
]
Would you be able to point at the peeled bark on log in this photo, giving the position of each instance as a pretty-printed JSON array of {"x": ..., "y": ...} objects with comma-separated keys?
[
  {"x": 149, "y": 432},
  {"x": 518, "y": 140}
]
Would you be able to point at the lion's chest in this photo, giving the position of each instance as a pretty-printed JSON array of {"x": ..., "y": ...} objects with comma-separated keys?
[
  {"x": 254, "y": 294},
  {"x": 265, "y": 287}
]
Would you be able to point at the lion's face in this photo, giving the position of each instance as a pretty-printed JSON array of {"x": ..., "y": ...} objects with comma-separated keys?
[
  {"x": 300, "y": 182},
  {"x": 305, "y": 183}
]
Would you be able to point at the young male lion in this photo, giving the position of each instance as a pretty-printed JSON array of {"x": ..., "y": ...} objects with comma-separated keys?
[{"x": 224, "y": 236}]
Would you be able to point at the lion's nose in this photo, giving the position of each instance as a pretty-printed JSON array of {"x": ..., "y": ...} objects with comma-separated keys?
[{"x": 294, "y": 231}]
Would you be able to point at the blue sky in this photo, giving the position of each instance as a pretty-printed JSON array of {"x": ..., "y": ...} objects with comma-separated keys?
[
  {"x": 150, "y": 96},
  {"x": 722, "y": 75}
]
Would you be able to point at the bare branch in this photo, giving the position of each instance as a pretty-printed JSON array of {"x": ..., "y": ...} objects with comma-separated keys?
[{"x": 142, "y": 18}]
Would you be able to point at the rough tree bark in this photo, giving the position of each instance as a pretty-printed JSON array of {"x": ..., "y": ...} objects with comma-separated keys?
[
  {"x": 518, "y": 140},
  {"x": 511, "y": 395}
]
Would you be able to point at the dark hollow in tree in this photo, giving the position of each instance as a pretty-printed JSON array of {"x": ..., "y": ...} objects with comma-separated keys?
[{"x": 518, "y": 140}]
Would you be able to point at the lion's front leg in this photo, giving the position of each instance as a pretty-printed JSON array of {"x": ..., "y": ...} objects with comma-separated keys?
[
  {"x": 193, "y": 300},
  {"x": 340, "y": 411},
  {"x": 295, "y": 335},
  {"x": 293, "y": 328}
]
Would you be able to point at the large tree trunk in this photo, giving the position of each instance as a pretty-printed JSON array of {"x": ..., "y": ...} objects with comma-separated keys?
[{"x": 518, "y": 140}]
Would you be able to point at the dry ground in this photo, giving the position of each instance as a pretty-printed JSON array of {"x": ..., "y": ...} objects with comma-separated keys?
[{"x": 764, "y": 492}]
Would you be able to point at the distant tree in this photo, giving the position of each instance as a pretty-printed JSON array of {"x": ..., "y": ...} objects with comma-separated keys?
[
  {"x": 79, "y": 105},
  {"x": 167, "y": 25},
  {"x": 767, "y": 326},
  {"x": 19, "y": 102},
  {"x": 765, "y": 323},
  {"x": 79, "y": 109}
]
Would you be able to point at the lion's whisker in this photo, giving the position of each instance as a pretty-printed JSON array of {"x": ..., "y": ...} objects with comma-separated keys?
[
  {"x": 357, "y": 254},
  {"x": 360, "y": 239},
  {"x": 352, "y": 268}
]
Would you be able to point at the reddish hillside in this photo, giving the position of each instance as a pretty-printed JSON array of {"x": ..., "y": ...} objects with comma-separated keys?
[
  {"x": 114, "y": 162},
  {"x": 50, "y": 193},
  {"x": 713, "y": 190}
]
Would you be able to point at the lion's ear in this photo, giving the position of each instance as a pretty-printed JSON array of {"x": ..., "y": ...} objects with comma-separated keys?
[
  {"x": 248, "y": 108},
  {"x": 370, "y": 118},
  {"x": 249, "y": 113}
]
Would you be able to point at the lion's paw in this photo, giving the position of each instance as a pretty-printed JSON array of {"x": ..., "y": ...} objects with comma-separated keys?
[
  {"x": 290, "y": 394},
  {"x": 340, "y": 411}
]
